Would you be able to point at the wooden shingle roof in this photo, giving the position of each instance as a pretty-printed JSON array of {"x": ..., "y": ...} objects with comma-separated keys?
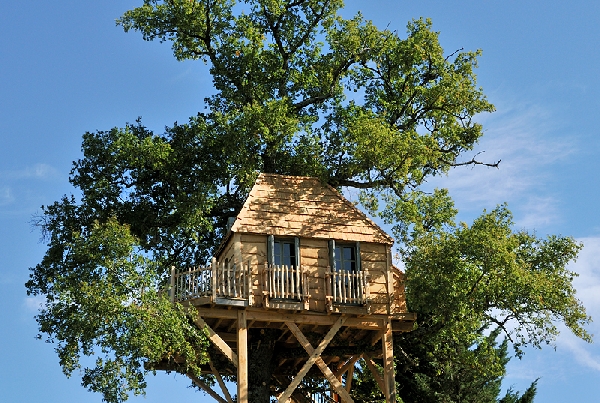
[{"x": 304, "y": 207}]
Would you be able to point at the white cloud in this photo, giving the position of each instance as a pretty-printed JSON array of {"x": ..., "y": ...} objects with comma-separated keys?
[
  {"x": 37, "y": 171},
  {"x": 522, "y": 138},
  {"x": 588, "y": 291},
  {"x": 33, "y": 304},
  {"x": 20, "y": 188},
  {"x": 538, "y": 211},
  {"x": 581, "y": 351},
  {"x": 6, "y": 196}
]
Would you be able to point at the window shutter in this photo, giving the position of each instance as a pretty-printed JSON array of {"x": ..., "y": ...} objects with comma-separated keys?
[
  {"x": 332, "y": 255},
  {"x": 270, "y": 250},
  {"x": 358, "y": 268},
  {"x": 297, "y": 250}
]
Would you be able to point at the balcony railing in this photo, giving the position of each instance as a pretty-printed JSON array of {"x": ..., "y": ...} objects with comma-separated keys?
[
  {"x": 281, "y": 286},
  {"x": 345, "y": 287},
  {"x": 218, "y": 280},
  {"x": 284, "y": 282}
]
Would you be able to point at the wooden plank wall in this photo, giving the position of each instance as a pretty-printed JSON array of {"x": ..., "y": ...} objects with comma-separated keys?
[
  {"x": 314, "y": 260},
  {"x": 374, "y": 260}
]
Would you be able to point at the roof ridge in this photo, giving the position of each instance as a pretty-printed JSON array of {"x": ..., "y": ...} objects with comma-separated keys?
[
  {"x": 276, "y": 182},
  {"x": 362, "y": 213}
]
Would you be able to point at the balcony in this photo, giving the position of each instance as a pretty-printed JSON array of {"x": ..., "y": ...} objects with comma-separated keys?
[{"x": 280, "y": 287}]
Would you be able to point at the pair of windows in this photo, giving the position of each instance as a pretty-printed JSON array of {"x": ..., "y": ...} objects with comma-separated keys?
[{"x": 342, "y": 256}]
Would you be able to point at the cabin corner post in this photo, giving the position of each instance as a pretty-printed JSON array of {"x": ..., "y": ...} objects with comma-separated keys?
[
  {"x": 242, "y": 375},
  {"x": 387, "y": 345}
]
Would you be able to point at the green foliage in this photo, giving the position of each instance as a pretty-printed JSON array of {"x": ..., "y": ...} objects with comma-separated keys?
[
  {"x": 299, "y": 90},
  {"x": 514, "y": 397},
  {"x": 103, "y": 300},
  {"x": 470, "y": 285},
  {"x": 486, "y": 276}
]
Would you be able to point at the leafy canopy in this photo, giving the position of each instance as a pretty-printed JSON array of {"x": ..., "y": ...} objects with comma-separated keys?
[{"x": 299, "y": 90}]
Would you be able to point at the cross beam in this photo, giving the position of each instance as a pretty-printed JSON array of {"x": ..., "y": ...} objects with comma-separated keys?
[{"x": 315, "y": 356}]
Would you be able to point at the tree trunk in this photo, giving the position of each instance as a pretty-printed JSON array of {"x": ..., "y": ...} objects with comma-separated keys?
[{"x": 261, "y": 364}]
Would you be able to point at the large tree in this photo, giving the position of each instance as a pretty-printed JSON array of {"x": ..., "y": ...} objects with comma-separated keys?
[{"x": 299, "y": 90}]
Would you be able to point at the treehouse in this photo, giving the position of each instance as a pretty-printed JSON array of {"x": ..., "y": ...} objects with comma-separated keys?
[{"x": 300, "y": 258}]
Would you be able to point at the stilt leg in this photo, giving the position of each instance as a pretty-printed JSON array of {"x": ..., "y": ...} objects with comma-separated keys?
[
  {"x": 242, "y": 378},
  {"x": 388, "y": 363}
]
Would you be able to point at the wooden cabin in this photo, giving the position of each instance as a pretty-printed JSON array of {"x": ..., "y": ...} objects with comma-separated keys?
[{"x": 300, "y": 256}]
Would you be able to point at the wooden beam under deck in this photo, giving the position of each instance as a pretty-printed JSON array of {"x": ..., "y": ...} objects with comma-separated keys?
[
  {"x": 333, "y": 380},
  {"x": 402, "y": 322},
  {"x": 229, "y": 333},
  {"x": 314, "y": 356}
]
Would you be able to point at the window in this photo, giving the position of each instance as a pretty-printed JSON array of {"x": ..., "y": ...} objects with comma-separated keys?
[
  {"x": 344, "y": 256},
  {"x": 284, "y": 251},
  {"x": 347, "y": 281},
  {"x": 284, "y": 280}
]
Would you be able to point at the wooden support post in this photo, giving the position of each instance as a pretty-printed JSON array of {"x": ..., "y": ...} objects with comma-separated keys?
[
  {"x": 218, "y": 341},
  {"x": 315, "y": 358},
  {"x": 388, "y": 362},
  {"x": 242, "y": 345}
]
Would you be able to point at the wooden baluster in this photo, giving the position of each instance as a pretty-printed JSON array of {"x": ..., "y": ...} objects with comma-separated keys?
[
  {"x": 242, "y": 281},
  {"x": 355, "y": 288},
  {"x": 350, "y": 287},
  {"x": 223, "y": 288},
  {"x": 360, "y": 288},
  {"x": 272, "y": 274},
  {"x": 172, "y": 283},
  {"x": 215, "y": 278},
  {"x": 290, "y": 282},
  {"x": 196, "y": 281},
  {"x": 334, "y": 285},
  {"x": 271, "y": 282},
  {"x": 200, "y": 281},
  {"x": 225, "y": 279},
  {"x": 229, "y": 282},
  {"x": 193, "y": 282},
  {"x": 282, "y": 290},
  {"x": 339, "y": 286},
  {"x": 280, "y": 279},
  {"x": 274, "y": 280},
  {"x": 280, "y": 282},
  {"x": 328, "y": 283},
  {"x": 234, "y": 274},
  {"x": 187, "y": 283},
  {"x": 302, "y": 282},
  {"x": 298, "y": 284},
  {"x": 249, "y": 291},
  {"x": 207, "y": 280},
  {"x": 344, "y": 290}
]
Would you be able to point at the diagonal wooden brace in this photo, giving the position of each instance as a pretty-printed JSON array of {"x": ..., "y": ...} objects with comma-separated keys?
[
  {"x": 207, "y": 389},
  {"x": 218, "y": 341},
  {"x": 374, "y": 372},
  {"x": 220, "y": 381},
  {"x": 315, "y": 358}
]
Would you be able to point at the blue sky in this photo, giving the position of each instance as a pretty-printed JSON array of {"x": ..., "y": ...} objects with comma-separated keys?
[{"x": 66, "y": 69}]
